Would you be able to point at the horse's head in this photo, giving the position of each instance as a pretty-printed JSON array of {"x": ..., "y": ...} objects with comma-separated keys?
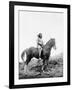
[{"x": 51, "y": 43}]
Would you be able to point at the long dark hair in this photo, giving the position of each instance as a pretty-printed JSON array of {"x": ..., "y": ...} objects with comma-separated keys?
[{"x": 40, "y": 35}]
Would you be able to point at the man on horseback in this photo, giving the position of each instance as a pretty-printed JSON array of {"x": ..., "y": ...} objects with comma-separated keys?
[
  {"x": 39, "y": 43},
  {"x": 36, "y": 52}
]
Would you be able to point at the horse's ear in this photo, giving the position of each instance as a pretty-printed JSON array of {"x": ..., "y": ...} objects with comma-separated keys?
[{"x": 53, "y": 39}]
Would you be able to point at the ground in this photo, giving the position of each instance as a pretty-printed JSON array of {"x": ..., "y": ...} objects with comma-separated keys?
[{"x": 34, "y": 69}]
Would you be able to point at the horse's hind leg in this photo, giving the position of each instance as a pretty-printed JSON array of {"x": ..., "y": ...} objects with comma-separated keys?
[
  {"x": 26, "y": 70},
  {"x": 24, "y": 58}
]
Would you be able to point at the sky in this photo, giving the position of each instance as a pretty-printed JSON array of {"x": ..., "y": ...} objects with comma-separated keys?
[{"x": 50, "y": 24}]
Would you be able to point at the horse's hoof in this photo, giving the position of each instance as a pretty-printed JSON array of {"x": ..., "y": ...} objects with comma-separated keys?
[
  {"x": 25, "y": 74},
  {"x": 45, "y": 72}
]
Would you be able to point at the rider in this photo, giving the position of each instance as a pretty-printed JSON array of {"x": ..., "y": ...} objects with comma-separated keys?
[{"x": 39, "y": 43}]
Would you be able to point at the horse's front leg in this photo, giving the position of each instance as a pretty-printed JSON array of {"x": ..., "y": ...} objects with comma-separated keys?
[
  {"x": 43, "y": 65},
  {"x": 47, "y": 62}
]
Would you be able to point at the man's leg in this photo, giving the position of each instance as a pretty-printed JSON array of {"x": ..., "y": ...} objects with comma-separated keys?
[{"x": 40, "y": 53}]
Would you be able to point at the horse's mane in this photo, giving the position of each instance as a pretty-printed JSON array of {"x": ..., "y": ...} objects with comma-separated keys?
[{"x": 48, "y": 44}]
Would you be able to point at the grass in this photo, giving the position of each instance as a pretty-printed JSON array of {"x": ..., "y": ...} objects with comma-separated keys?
[{"x": 34, "y": 68}]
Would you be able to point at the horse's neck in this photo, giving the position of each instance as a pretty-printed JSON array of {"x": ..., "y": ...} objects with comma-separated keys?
[{"x": 48, "y": 47}]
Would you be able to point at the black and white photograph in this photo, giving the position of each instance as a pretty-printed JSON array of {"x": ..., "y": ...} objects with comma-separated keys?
[{"x": 40, "y": 43}]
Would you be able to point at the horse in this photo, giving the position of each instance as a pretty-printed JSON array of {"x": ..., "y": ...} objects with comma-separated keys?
[{"x": 45, "y": 53}]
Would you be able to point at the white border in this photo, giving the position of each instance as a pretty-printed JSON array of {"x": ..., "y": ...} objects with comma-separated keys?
[{"x": 16, "y": 70}]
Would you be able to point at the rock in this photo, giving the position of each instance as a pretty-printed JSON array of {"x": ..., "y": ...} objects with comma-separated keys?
[{"x": 34, "y": 63}]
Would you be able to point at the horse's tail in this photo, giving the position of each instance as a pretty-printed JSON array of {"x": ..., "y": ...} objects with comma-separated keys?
[{"x": 24, "y": 56}]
